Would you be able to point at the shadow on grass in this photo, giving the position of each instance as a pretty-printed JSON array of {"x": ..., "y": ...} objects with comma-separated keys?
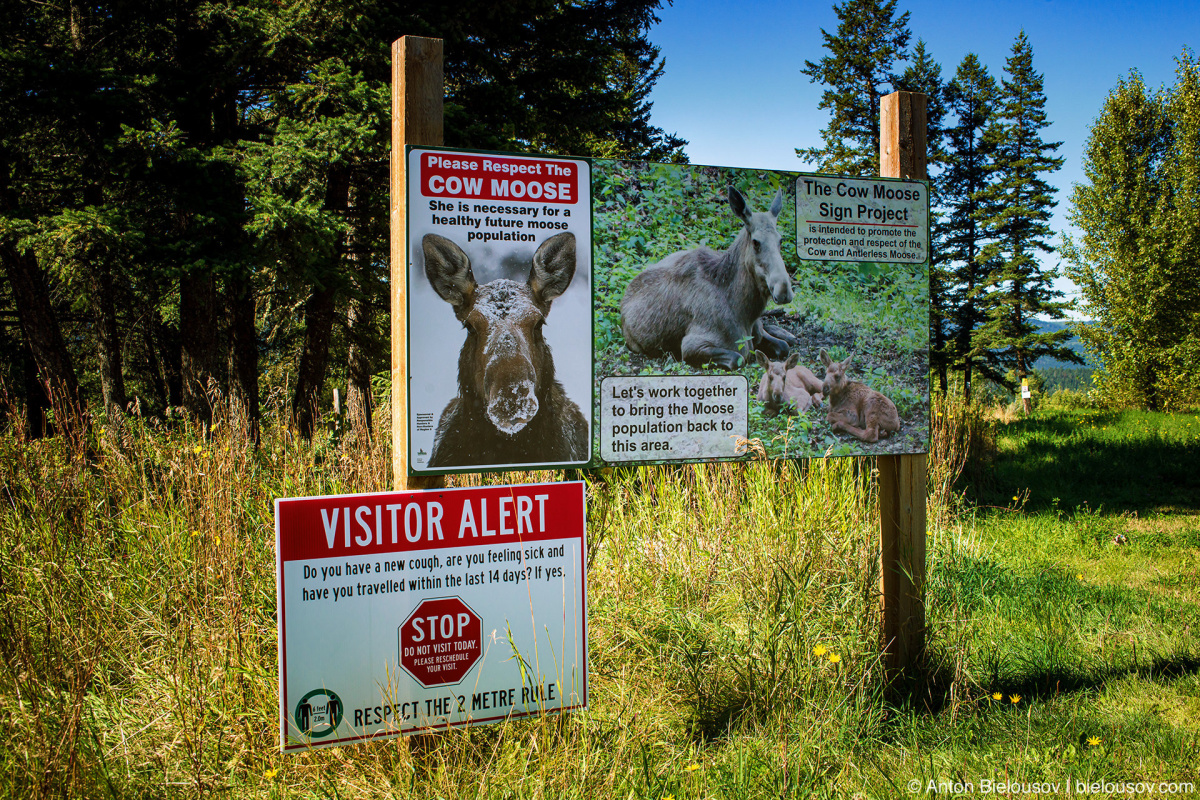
[
  {"x": 1143, "y": 474},
  {"x": 930, "y": 692},
  {"x": 1031, "y": 624}
]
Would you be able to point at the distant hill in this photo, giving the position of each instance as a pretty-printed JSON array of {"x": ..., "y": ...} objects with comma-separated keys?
[{"x": 1073, "y": 343}]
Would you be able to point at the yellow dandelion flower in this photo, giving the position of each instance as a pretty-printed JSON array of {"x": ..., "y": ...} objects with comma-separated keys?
[
  {"x": 198, "y": 449},
  {"x": 997, "y": 696},
  {"x": 270, "y": 773},
  {"x": 834, "y": 658},
  {"x": 819, "y": 650},
  {"x": 669, "y": 797},
  {"x": 1093, "y": 741},
  {"x": 691, "y": 767},
  {"x": 1078, "y": 576},
  {"x": 1016, "y": 698}
]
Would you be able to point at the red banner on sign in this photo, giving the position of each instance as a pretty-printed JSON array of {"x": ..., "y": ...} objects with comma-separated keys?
[
  {"x": 366, "y": 524},
  {"x": 468, "y": 176}
]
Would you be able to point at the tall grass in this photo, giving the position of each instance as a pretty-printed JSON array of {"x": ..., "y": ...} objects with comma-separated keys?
[{"x": 733, "y": 632}]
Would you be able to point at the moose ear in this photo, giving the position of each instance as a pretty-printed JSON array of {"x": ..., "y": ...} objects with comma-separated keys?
[
  {"x": 553, "y": 269},
  {"x": 825, "y": 359},
  {"x": 738, "y": 204},
  {"x": 846, "y": 362},
  {"x": 761, "y": 358},
  {"x": 449, "y": 271},
  {"x": 793, "y": 359},
  {"x": 777, "y": 204}
]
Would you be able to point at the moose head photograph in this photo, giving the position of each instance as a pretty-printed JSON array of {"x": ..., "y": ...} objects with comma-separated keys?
[
  {"x": 499, "y": 398},
  {"x": 697, "y": 272}
]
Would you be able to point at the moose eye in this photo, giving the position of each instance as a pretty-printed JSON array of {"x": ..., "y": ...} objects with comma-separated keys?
[{"x": 757, "y": 245}]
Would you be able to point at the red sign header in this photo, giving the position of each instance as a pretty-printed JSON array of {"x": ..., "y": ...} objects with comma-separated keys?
[
  {"x": 467, "y": 176},
  {"x": 365, "y": 524}
]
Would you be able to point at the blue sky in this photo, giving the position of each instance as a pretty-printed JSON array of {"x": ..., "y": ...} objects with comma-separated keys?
[{"x": 733, "y": 85}]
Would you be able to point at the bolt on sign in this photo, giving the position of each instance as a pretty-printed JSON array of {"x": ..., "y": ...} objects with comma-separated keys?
[
  {"x": 414, "y": 611},
  {"x": 621, "y": 312}
]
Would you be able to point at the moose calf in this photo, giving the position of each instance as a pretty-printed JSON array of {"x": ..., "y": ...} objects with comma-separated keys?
[
  {"x": 855, "y": 408},
  {"x": 783, "y": 387},
  {"x": 510, "y": 409}
]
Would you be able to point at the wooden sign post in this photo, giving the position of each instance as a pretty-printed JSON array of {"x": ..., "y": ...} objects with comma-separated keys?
[
  {"x": 417, "y": 91},
  {"x": 902, "y": 478}
]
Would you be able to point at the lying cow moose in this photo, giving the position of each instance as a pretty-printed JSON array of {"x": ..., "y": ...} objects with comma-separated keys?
[
  {"x": 705, "y": 306},
  {"x": 510, "y": 409}
]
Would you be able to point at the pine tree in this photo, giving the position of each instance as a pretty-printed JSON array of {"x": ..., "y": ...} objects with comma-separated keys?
[
  {"x": 870, "y": 41},
  {"x": 1016, "y": 209},
  {"x": 971, "y": 97},
  {"x": 924, "y": 75},
  {"x": 1136, "y": 262}
]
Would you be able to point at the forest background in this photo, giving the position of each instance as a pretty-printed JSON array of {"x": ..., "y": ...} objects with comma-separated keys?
[{"x": 193, "y": 197}]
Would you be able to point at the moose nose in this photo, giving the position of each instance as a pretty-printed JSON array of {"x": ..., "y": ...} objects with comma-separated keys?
[
  {"x": 781, "y": 292},
  {"x": 511, "y": 407}
]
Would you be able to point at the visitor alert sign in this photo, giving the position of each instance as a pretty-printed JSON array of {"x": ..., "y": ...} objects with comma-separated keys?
[{"x": 412, "y": 611}]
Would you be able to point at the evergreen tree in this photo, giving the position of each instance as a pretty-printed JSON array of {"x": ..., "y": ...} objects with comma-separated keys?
[
  {"x": 924, "y": 75},
  {"x": 1137, "y": 263},
  {"x": 194, "y": 194},
  {"x": 971, "y": 97},
  {"x": 1016, "y": 208},
  {"x": 870, "y": 42}
]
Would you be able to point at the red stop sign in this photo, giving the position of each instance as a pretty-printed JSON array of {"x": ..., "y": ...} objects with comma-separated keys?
[{"x": 441, "y": 641}]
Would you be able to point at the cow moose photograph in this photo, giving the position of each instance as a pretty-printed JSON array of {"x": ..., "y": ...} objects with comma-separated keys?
[
  {"x": 508, "y": 405},
  {"x": 697, "y": 272}
]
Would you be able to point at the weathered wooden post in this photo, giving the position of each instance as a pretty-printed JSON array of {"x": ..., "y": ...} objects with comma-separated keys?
[
  {"x": 902, "y": 478},
  {"x": 417, "y": 90}
]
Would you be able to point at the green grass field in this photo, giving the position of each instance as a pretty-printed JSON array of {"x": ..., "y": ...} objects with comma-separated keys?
[{"x": 733, "y": 625}]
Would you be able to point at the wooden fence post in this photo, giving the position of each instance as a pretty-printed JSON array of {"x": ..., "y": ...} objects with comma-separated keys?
[
  {"x": 902, "y": 478},
  {"x": 417, "y": 91}
]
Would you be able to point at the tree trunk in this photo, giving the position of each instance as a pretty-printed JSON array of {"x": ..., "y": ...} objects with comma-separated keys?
[
  {"x": 198, "y": 336},
  {"x": 37, "y": 424},
  {"x": 318, "y": 326},
  {"x": 108, "y": 342},
  {"x": 40, "y": 325},
  {"x": 318, "y": 317},
  {"x": 243, "y": 350},
  {"x": 360, "y": 314}
]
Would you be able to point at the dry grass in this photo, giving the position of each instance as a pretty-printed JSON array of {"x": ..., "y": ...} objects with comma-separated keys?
[{"x": 138, "y": 640}]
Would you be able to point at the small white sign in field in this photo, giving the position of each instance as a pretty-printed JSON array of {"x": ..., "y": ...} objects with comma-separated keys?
[
  {"x": 409, "y": 611},
  {"x": 859, "y": 219}
]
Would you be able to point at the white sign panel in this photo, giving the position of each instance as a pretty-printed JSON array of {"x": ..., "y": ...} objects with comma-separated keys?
[
  {"x": 410, "y": 611},
  {"x": 499, "y": 293},
  {"x": 859, "y": 219},
  {"x": 664, "y": 418}
]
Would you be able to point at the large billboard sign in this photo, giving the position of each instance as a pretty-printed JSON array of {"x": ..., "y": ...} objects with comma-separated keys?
[
  {"x": 411, "y": 611},
  {"x": 725, "y": 313}
]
